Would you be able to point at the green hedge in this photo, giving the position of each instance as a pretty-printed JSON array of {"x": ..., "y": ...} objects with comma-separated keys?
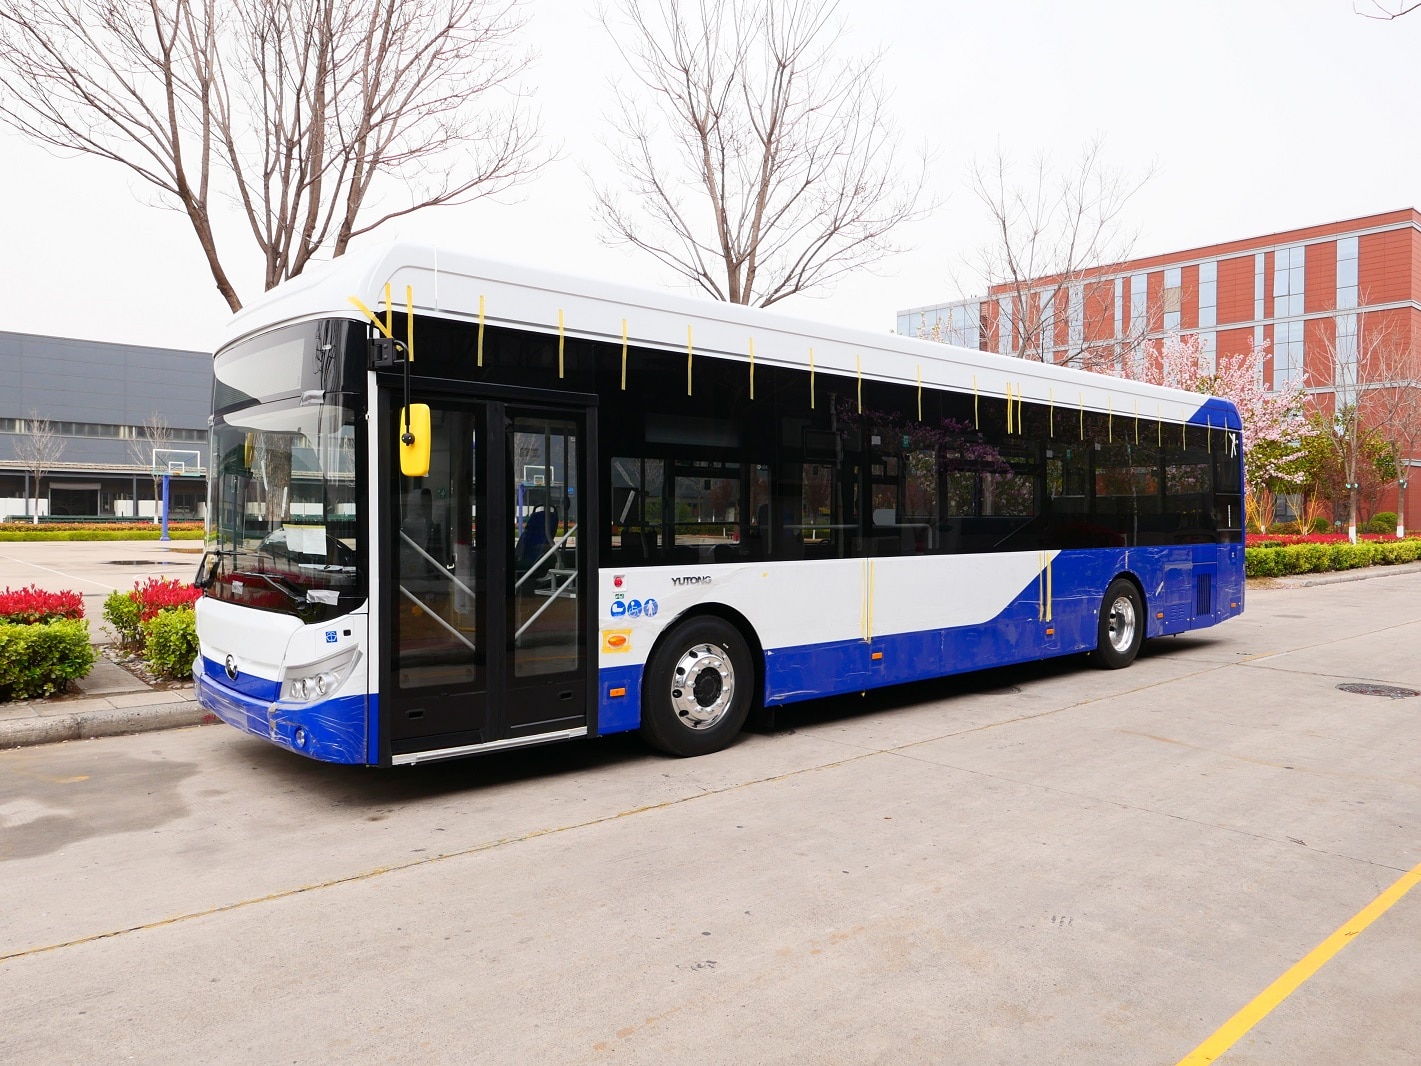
[
  {"x": 40, "y": 533},
  {"x": 41, "y": 659},
  {"x": 1278, "y": 560}
]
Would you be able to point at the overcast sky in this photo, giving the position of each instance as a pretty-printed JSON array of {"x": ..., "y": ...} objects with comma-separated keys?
[{"x": 1260, "y": 115}]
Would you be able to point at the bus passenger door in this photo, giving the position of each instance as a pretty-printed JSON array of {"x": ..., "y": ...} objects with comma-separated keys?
[
  {"x": 435, "y": 689},
  {"x": 547, "y": 585},
  {"x": 488, "y": 580}
]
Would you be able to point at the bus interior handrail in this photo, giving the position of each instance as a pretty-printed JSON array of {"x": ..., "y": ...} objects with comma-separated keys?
[
  {"x": 433, "y": 614},
  {"x": 553, "y": 549},
  {"x": 432, "y": 561}
]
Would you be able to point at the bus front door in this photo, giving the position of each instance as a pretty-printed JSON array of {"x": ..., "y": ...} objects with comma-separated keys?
[{"x": 489, "y": 583}]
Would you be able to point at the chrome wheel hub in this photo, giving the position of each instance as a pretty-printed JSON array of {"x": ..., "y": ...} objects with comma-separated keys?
[
  {"x": 1122, "y": 624},
  {"x": 702, "y": 686}
]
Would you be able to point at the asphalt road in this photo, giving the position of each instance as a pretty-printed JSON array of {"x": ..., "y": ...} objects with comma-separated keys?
[{"x": 1051, "y": 864}]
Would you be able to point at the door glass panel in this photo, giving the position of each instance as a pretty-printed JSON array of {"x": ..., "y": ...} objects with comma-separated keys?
[
  {"x": 439, "y": 567},
  {"x": 544, "y": 633}
]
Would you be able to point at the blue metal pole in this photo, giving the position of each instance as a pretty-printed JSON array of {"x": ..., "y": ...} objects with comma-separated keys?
[{"x": 165, "y": 508}]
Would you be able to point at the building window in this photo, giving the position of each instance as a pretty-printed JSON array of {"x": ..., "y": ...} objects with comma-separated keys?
[
  {"x": 1346, "y": 369},
  {"x": 1119, "y": 308},
  {"x": 1209, "y": 351},
  {"x": 1173, "y": 297},
  {"x": 1075, "y": 310},
  {"x": 1208, "y": 295},
  {"x": 1004, "y": 325},
  {"x": 964, "y": 325},
  {"x": 1287, "y": 353},
  {"x": 1288, "y": 281},
  {"x": 1258, "y": 266},
  {"x": 1346, "y": 273},
  {"x": 1138, "y": 307}
]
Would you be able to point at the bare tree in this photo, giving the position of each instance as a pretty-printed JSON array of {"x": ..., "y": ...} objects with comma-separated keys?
[
  {"x": 766, "y": 165},
  {"x": 1393, "y": 405},
  {"x": 1056, "y": 232},
  {"x": 38, "y": 450},
  {"x": 1374, "y": 414},
  {"x": 294, "y": 109},
  {"x": 154, "y": 435},
  {"x": 1382, "y": 11}
]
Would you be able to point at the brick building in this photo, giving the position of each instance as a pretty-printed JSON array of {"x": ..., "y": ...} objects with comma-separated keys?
[{"x": 1339, "y": 305}]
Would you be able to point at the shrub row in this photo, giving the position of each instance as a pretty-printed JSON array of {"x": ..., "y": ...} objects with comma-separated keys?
[
  {"x": 157, "y": 618},
  {"x": 1311, "y": 558},
  {"x": 15, "y": 532},
  {"x": 40, "y": 659}
]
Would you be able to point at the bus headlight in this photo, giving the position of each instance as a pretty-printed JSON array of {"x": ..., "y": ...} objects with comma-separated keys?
[{"x": 318, "y": 680}]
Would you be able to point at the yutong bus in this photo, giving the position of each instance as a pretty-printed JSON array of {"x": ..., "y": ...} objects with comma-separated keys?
[{"x": 458, "y": 507}]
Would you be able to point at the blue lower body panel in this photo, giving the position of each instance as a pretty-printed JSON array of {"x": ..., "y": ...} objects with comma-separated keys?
[
  {"x": 1185, "y": 587},
  {"x": 333, "y": 730}
]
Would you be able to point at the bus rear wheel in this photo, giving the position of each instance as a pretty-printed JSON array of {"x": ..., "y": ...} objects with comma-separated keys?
[
  {"x": 1122, "y": 626},
  {"x": 697, "y": 688}
]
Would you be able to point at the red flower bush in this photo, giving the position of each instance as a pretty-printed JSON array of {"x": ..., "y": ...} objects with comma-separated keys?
[
  {"x": 160, "y": 593},
  {"x": 33, "y": 605},
  {"x": 1260, "y": 540}
]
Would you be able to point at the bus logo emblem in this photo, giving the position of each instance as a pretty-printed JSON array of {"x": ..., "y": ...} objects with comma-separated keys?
[
  {"x": 231, "y": 667},
  {"x": 703, "y": 579}
]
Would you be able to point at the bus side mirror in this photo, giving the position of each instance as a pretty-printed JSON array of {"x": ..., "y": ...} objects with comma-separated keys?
[{"x": 414, "y": 440}]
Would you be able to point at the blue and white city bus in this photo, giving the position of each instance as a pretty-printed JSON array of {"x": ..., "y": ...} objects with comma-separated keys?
[{"x": 458, "y": 507}]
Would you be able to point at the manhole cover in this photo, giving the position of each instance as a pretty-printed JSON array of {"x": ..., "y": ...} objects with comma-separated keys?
[
  {"x": 1393, "y": 692},
  {"x": 147, "y": 562}
]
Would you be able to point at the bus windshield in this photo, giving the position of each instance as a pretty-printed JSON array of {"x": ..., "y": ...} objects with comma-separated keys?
[{"x": 283, "y": 530}]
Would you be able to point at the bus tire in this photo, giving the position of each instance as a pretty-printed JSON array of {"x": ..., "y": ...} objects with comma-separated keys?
[
  {"x": 697, "y": 688},
  {"x": 1121, "y": 629}
]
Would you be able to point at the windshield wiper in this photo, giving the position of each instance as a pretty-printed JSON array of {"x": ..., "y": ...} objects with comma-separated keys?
[{"x": 296, "y": 599}]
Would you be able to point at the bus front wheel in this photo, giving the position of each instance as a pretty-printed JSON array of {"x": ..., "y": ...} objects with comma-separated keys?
[
  {"x": 697, "y": 688},
  {"x": 1122, "y": 626}
]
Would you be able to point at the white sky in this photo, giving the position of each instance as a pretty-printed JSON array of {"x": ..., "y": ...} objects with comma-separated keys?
[{"x": 1261, "y": 115}]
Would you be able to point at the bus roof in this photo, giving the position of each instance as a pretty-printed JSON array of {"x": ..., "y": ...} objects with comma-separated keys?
[{"x": 455, "y": 285}]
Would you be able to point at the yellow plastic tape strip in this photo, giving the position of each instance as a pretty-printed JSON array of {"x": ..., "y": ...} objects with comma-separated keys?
[
  {"x": 1051, "y": 401},
  {"x": 976, "y": 420},
  {"x": 624, "y": 355},
  {"x": 481, "y": 329},
  {"x": 374, "y": 319},
  {"x": 690, "y": 353},
  {"x": 1082, "y": 416},
  {"x": 389, "y": 313},
  {"x": 1110, "y": 418},
  {"x": 920, "y": 392},
  {"x": 561, "y": 338},
  {"x": 752, "y": 368},
  {"x": 1049, "y": 591},
  {"x": 1159, "y": 425},
  {"x": 1008, "y": 406},
  {"x": 409, "y": 323},
  {"x": 1137, "y": 421},
  {"x": 811, "y": 379},
  {"x": 858, "y": 371}
]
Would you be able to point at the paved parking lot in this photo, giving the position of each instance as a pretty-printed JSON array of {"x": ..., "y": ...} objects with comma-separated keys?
[{"x": 1049, "y": 864}]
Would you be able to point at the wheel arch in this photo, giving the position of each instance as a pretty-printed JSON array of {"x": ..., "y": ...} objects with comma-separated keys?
[{"x": 731, "y": 616}]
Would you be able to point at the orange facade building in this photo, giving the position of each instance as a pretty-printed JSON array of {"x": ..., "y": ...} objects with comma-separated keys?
[{"x": 1338, "y": 304}]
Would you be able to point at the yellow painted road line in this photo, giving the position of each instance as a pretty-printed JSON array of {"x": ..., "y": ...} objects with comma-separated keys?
[{"x": 1229, "y": 1033}]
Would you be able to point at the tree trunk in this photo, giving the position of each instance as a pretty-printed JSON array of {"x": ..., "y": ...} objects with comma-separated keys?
[{"x": 1352, "y": 515}]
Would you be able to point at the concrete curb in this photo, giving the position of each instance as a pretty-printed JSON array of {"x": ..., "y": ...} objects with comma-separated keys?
[
  {"x": 1304, "y": 581},
  {"x": 50, "y": 729},
  {"x": 53, "y": 724}
]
